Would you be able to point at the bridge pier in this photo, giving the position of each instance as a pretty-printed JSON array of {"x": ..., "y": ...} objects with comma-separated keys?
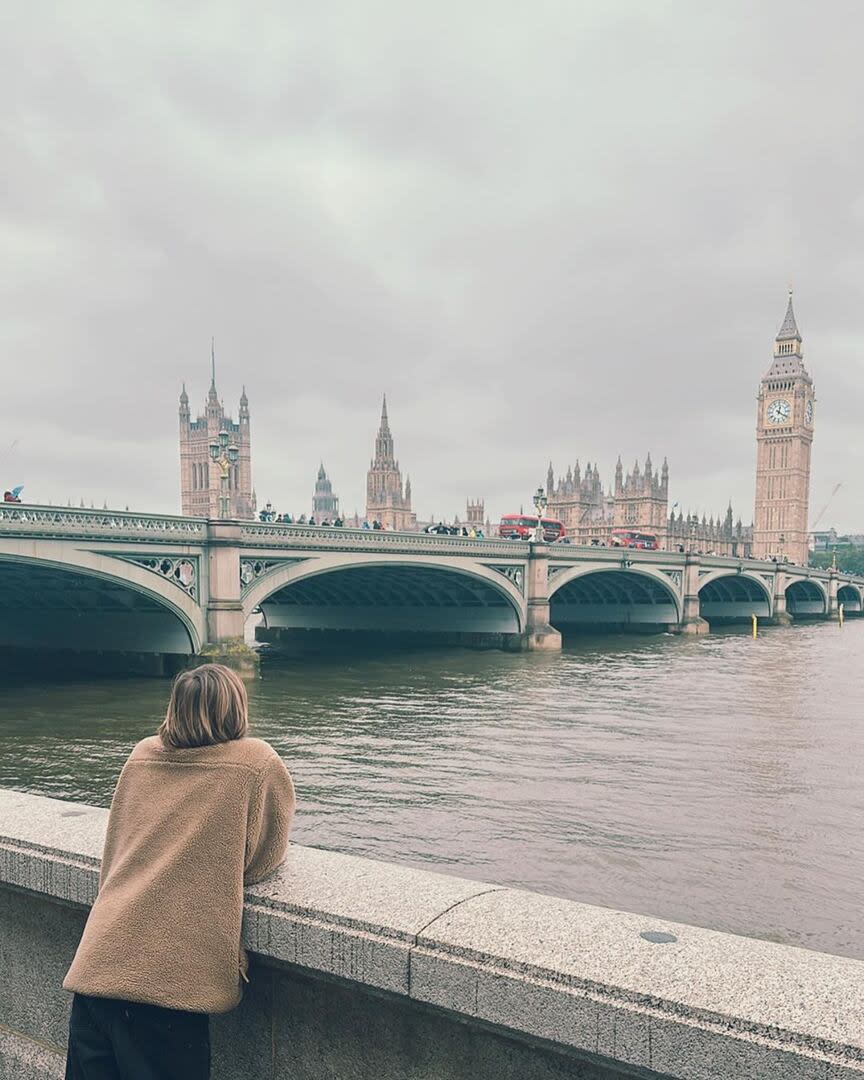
[
  {"x": 539, "y": 633},
  {"x": 833, "y": 589},
  {"x": 226, "y": 621},
  {"x": 691, "y": 619},
  {"x": 780, "y": 615}
]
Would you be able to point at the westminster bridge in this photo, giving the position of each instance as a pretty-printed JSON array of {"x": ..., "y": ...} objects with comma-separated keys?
[{"x": 163, "y": 589}]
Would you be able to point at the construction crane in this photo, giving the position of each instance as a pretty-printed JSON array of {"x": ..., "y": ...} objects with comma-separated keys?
[{"x": 822, "y": 512}]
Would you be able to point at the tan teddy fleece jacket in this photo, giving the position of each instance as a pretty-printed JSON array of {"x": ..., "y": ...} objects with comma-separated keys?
[{"x": 187, "y": 828}]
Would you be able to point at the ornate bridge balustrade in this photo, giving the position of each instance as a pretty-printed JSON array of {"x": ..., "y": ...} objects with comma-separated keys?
[{"x": 162, "y": 589}]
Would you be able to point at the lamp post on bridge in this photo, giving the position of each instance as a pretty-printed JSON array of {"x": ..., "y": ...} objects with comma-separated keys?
[
  {"x": 540, "y": 504},
  {"x": 225, "y": 456}
]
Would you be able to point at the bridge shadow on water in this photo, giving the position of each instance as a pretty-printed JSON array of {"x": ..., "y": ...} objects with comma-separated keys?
[{"x": 67, "y": 665}]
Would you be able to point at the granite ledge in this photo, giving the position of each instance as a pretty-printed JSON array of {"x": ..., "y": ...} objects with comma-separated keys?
[
  {"x": 796, "y": 997},
  {"x": 580, "y": 976},
  {"x": 28, "y": 1059}
]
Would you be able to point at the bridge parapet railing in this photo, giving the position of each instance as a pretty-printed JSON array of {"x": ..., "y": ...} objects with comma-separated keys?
[
  {"x": 61, "y": 522},
  {"x": 635, "y": 556},
  {"x": 769, "y": 566},
  {"x": 753, "y": 564},
  {"x": 614, "y": 555},
  {"x": 331, "y": 538}
]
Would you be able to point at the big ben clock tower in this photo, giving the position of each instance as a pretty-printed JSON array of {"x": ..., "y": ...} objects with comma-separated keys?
[{"x": 784, "y": 434}]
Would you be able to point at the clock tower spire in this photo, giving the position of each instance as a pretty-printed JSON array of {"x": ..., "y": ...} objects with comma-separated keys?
[{"x": 784, "y": 434}]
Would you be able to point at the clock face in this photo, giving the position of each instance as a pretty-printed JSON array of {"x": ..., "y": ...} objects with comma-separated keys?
[
  {"x": 779, "y": 411},
  {"x": 808, "y": 412}
]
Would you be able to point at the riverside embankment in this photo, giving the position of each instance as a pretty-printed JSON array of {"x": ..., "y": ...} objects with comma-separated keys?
[{"x": 380, "y": 972}]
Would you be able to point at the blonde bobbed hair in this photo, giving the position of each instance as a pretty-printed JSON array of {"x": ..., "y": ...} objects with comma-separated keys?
[{"x": 208, "y": 705}]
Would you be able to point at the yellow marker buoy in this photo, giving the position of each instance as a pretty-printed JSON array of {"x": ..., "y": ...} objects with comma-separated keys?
[{"x": 755, "y": 625}]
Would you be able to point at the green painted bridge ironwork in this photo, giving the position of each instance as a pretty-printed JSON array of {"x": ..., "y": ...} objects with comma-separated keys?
[{"x": 147, "y": 584}]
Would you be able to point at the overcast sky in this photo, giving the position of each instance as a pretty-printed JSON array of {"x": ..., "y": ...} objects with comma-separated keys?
[{"x": 554, "y": 230}]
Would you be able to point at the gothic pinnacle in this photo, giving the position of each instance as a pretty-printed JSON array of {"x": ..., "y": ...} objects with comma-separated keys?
[{"x": 789, "y": 330}]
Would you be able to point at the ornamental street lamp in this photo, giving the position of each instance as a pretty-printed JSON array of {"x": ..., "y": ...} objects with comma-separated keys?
[
  {"x": 540, "y": 503},
  {"x": 225, "y": 456}
]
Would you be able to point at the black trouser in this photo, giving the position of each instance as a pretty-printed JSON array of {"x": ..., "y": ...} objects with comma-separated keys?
[{"x": 121, "y": 1040}]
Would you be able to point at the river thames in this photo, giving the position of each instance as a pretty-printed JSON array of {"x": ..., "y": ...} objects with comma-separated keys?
[{"x": 715, "y": 781}]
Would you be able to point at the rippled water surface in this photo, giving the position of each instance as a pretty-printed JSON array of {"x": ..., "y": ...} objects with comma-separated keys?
[{"x": 715, "y": 781}]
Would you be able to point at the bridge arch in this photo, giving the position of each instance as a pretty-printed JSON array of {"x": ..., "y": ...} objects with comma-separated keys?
[
  {"x": 734, "y": 596},
  {"x": 388, "y": 593},
  {"x": 634, "y": 597},
  {"x": 85, "y": 602},
  {"x": 850, "y": 596},
  {"x": 806, "y": 598}
]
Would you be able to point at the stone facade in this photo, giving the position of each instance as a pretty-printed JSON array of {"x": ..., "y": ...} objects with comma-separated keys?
[
  {"x": 476, "y": 513},
  {"x": 710, "y": 536},
  {"x": 199, "y": 475},
  {"x": 387, "y": 500},
  {"x": 638, "y": 500},
  {"x": 325, "y": 505},
  {"x": 784, "y": 435},
  {"x": 641, "y": 497},
  {"x": 580, "y": 503}
]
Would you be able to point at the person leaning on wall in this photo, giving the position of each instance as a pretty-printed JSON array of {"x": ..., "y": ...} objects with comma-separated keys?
[{"x": 200, "y": 809}]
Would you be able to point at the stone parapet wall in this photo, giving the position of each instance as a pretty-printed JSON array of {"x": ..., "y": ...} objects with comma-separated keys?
[{"x": 371, "y": 970}]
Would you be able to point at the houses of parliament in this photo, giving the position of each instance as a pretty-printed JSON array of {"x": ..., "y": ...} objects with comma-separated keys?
[{"x": 637, "y": 500}]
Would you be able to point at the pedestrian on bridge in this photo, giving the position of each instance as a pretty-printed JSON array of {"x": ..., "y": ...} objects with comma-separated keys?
[{"x": 200, "y": 809}]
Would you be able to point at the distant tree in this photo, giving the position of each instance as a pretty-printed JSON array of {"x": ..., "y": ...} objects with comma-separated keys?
[{"x": 850, "y": 559}]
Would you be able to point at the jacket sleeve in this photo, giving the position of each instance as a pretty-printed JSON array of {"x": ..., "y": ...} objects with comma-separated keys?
[
  {"x": 116, "y": 833},
  {"x": 269, "y": 822}
]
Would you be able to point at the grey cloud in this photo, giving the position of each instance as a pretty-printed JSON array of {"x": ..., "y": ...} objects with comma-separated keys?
[{"x": 548, "y": 233}]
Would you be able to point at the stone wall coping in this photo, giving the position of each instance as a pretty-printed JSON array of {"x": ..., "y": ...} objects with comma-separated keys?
[{"x": 691, "y": 1003}]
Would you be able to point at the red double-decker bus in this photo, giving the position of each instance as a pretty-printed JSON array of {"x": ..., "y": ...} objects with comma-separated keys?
[
  {"x": 522, "y": 526},
  {"x": 630, "y": 538}
]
